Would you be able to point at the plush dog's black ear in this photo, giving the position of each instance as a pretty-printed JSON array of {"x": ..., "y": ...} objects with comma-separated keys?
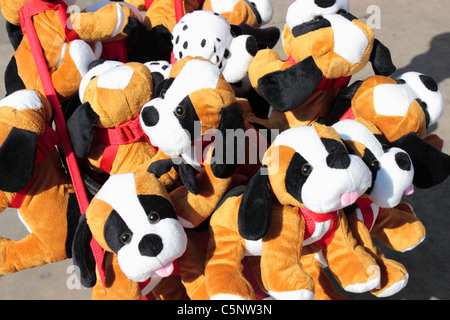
[
  {"x": 81, "y": 125},
  {"x": 255, "y": 211},
  {"x": 431, "y": 165},
  {"x": 230, "y": 143},
  {"x": 285, "y": 90},
  {"x": 265, "y": 37},
  {"x": 187, "y": 172},
  {"x": 82, "y": 254},
  {"x": 17, "y": 159},
  {"x": 381, "y": 60},
  {"x": 342, "y": 103}
]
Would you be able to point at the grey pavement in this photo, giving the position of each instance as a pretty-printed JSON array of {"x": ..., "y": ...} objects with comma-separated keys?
[{"x": 418, "y": 34}]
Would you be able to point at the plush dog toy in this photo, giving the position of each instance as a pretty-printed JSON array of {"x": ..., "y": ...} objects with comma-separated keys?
[
  {"x": 69, "y": 44},
  {"x": 208, "y": 35},
  {"x": 197, "y": 121},
  {"x": 402, "y": 110},
  {"x": 326, "y": 45},
  {"x": 134, "y": 221},
  {"x": 34, "y": 181},
  {"x": 310, "y": 177},
  {"x": 105, "y": 130},
  {"x": 380, "y": 212}
]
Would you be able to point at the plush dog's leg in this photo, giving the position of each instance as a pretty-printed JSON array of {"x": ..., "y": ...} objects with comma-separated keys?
[
  {"x": 281, "y": 270},
  {"x": 398, "y": 228},
  {"x": 323, "y": 287},
  {"x": 226, "y": 249},
  {"x": 354, "y": 268},
  {"x": 74, "y": 64}
]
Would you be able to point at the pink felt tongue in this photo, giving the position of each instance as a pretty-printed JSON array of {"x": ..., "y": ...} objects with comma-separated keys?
[
  {"x": 410, "y": 190},
  {"x": 348, "y": 199},
  {"x": 165, "y": 271}
]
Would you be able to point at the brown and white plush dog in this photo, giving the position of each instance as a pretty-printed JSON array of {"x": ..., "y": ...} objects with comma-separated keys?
[
  {"x": 134, "y": 221},
  {"x": 310, "y": 177},
  {"x": 69, "y": 44},
  {"x": 402, "y": 109},
  {"x": 34, "y": 181},
  {"x": 105, "y": 130},
  {"x": 325, "y": 46},
  {"x": 197, "y": 120}
]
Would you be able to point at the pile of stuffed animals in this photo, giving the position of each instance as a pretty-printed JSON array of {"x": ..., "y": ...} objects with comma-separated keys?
[{"x": 214, "y": 169}]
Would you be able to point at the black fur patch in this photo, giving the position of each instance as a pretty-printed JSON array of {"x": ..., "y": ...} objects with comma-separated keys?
[
  {"x": 295, "y": 180},
  {"x": 114, "y": 227},
  {"x": 310, "y": 26}
]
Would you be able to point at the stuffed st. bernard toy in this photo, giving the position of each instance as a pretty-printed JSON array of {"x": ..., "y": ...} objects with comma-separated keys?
[
  {"x": 34, "y": 181},
  {"x": 69, "y": 44},
  {"x": 197, "y": 122},
  {"x": 325, "y": 46},
  {"x": 297, "y": 202},
  {"x": 105, "y": 130},
  {"x": 134, "y": 221},
  {"x": 402, "y": 109}
]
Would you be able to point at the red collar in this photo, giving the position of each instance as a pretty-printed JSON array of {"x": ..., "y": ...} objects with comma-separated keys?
[{"x": 311, "y": 218}]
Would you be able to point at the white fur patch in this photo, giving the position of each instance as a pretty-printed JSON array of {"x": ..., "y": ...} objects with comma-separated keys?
[
  {"x": 82, "y": 55},
  {"x": 120, "y": 20},
  {"x": 96, "y": 71},
  {"x": 22, "y": 100},
  {"x": 221, "y": 6},
  {"x": 392, "y": 100},
  {"x": 116, "y": 78},
  {"x": 349, "y": 40}
]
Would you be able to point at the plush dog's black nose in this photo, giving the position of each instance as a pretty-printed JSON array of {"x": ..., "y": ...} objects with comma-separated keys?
[
  {"x": 150, "y": 245},
  {"x": 403, "y": 161},
  {"x": 338, "y": 160},
  {"x": 150, "y": 116},
  {"x": 325, "y": 3}
]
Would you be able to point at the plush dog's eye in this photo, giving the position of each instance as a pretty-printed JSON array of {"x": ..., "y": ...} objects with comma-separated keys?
[
  {"x": 125, "y": 238},
  {"x": 318, "y": 18},
  {"x": 375, "y": 165},
  {"x": 163, "y": 93},
  {"x": 342, "y": 11},
  {"x": 306, "y": 169},
  {"x": 153, "y": 217},
  {"x": 180, "y": 111}
]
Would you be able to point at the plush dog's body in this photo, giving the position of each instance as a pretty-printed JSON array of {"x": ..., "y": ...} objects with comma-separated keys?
[
  {"x": 67, "y": 52},
  {"x": 192, "y": 121},
  {"x": 300, "y": 162},
  {"x": 134, "y": 221},
  {"x": 35, "y": 182},
  {"x": 326, "y": 46}
]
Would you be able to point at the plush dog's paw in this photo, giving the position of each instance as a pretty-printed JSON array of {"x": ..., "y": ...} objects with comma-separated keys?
[{"x": 291, "y": 295}]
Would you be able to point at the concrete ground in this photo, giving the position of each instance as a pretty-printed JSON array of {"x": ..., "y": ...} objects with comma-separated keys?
[{"x": 418, "y": 34}]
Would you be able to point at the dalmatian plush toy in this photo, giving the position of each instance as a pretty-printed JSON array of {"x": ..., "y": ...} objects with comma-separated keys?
[{"x": 209, "y": 35}]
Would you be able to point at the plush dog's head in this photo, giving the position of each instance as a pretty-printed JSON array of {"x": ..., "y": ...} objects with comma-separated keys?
[
  {"x": 397, "y": 107},
  {"x": 112, "y": 94},
  {"x": 196, "y": 98},
  {"x": 392, "y": 169},
  {"x": 340, "y": 44},
  {"x": 208, "y": 35},
  {"x": 25, "y": 115},
  {"x": 255, "y": 13},
  {"x": 307, "y": 167},
  {"x": 133, "y": 217}
]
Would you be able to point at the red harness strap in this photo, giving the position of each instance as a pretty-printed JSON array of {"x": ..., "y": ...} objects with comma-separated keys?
[
  {"x": 126, "y": 133},
  {"x": 26, "y": 13},
  {"x": 311, "y": 218},
  {"x": 328, "y": 84},
  {"x": 45, "y": 145}
]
